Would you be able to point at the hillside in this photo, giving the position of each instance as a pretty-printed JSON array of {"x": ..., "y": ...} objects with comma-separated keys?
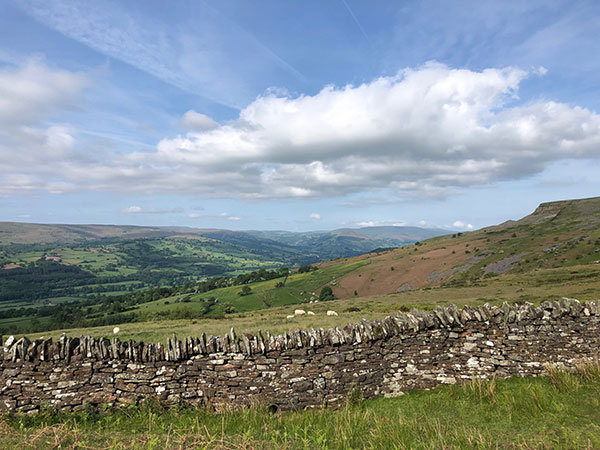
[
  {"x": 551, "y": 253},
  {"x": 52, "y": 263},
  {"x": 556, "y": 234}
]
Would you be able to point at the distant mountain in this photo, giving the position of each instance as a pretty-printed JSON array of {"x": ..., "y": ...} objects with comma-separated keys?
[
  {"x": 41, "y": 261},
  {"x": 345, "y": 242}
]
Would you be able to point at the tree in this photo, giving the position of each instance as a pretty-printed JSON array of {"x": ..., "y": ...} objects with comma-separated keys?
[
  {"x": 246, "y": 290},
  {"x": 326, "y": 294}
]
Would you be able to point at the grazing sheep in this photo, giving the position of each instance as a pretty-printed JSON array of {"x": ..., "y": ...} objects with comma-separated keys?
[
  {"x": 331, "y": 313},
  {"x": 116, "y": 330},
  {"x": 291, "y": 316},
  {"x": 310, "y": 313},
  {"x": 299, "y": 312}
]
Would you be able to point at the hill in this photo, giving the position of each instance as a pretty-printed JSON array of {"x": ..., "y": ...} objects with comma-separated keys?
[
  {"x": 551, "y": 253},
  {"x": 345, "y": 242},
  {"x": 556, "y": 234},
  {"x": 52, "y": 263}
]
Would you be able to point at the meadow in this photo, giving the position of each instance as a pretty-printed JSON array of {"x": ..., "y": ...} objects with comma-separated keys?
[{"x": 581, "y": 282}]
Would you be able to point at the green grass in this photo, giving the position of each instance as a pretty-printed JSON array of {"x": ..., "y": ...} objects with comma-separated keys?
[
  {"x": 581, "y": 282},
  {"x": 298, "y": 289},
  {"x": 558, "y": 411}
]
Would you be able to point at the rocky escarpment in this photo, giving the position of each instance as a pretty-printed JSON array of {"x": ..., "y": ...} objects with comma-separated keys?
[{"x": 301, "y": 368}]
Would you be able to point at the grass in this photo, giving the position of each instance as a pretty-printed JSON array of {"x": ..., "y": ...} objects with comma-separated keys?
[
  {"x": 558, "y": 411},
  {"x": 581, "y": 282},
  {"x": 298, "y": 289}
]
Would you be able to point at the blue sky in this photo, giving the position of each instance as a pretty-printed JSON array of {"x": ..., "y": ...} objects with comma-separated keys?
[{"x": 296, "y": 115}]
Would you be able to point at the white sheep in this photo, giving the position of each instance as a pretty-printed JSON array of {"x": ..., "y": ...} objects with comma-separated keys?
[
  {"x": 299, "y": 312},
  {"x": 331, "y": 313},
  {"x": 116, "y": 330},
  {"x": 310, "y": 313},
  {"x": 291, "y": 316}
]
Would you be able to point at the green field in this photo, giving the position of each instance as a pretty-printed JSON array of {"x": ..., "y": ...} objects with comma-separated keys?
[
  {"x": 561, "y": 411},
  {"x": 581, "y": 282}
]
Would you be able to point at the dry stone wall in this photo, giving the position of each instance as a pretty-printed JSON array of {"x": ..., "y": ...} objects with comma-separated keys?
[{"x": 301, "y": 368}]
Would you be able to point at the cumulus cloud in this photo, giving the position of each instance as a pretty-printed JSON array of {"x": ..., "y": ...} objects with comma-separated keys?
[
  {"x": 32, "y": 151},
  {"x": 139, "y": 210},
  {"x": 378, "y": 223},
  {"x": 32, "y": 91},
  {"x": 428, "y": 131},
  {"x": 462, "y": 225},
  {"x": 424, "y": 131},
  {"x": 229, "y": 216},
  {"x": 196, "y": 121},
  {"x": 367, "y": 223},
  {"x": 132, "y": 210},
  {"x": 315, "y": 216}
]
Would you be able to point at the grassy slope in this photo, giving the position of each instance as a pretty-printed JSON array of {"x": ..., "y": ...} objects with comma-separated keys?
[
  {"x": 560, "y": 411},
  {"x": 557, "y": 234},
  {"x": 549, "y": 254},
  {"x": 582, "y": 282}
]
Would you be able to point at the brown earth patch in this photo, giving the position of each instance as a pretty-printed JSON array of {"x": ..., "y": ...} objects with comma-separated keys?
[{"x": 410, "y": 268}]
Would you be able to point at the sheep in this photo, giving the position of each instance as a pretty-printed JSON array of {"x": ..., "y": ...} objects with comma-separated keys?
[
  {"x": 116, "y": 330},
  {"x": 291, "y": 316},
  {"x": 299, "y": 312},
  {"x": 331, "y": 313},
  {"x": 310, "y": 313}
]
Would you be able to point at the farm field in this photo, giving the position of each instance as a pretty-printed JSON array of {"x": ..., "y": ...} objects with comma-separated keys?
[
  {"x": 581, "y": 282},
  {"x": 43, "y": 262},
  {"x": 551, "y": 253},
  {"x": 558, "y": 411}
]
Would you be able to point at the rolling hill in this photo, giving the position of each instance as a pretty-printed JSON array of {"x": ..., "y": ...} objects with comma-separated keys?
[
  {"x": 557, "y": 234},
  {"x": 551, "y": 253},
  {"x": 41, "y": 262}
]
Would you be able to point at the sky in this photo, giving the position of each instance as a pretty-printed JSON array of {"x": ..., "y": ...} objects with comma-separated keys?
[{"x": 296, "y": 115}]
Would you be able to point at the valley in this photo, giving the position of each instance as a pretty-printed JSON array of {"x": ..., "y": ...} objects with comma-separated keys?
[{"x": 553, "y": 252}]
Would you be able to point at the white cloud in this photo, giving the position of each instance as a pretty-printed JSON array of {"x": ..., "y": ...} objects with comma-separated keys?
[
  {"x": 31, "y": 92},
  {"x": 139, "y": 210},
  {"x": 229, "y": 216},
  {"x": 378, "y": 223},
  {"x": 315, "y": 216},
  {"x": 196, "y": 121},
  {"x": 32, "y": 151},
  {"x": 367, "y": 223},
  {"x": 424, "y": 132},
  {"x": 462, "y": 225},
  {"x": 132, "y": 210}
]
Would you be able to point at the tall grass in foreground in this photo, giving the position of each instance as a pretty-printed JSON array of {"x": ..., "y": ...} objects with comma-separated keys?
[{"x": 561, "y": 410}]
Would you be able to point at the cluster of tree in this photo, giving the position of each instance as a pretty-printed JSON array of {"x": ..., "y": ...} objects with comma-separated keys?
[
  {"x": 108, "y": 310},
  {"x": 42, "y": 279},
  {"x": 326, "y": 294}
]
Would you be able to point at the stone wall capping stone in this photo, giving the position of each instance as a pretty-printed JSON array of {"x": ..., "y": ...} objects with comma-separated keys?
[{"x": 356, "y": 333}]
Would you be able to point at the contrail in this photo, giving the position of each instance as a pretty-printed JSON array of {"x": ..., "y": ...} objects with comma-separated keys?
[{"x": 362, "y": 30}]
